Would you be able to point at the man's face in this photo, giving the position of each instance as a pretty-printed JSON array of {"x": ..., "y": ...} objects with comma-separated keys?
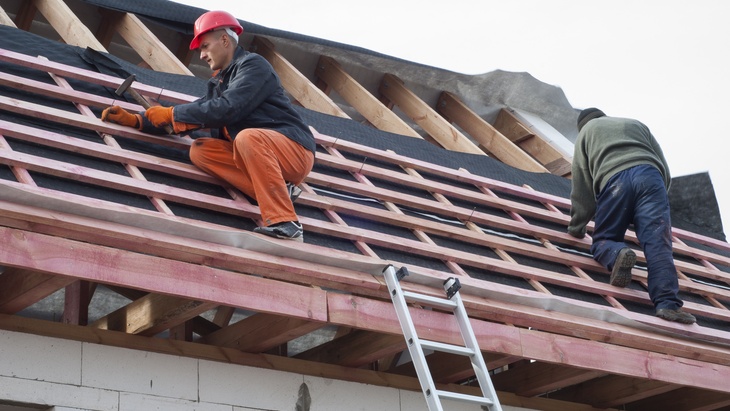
[{"x": 215, "y": 49}]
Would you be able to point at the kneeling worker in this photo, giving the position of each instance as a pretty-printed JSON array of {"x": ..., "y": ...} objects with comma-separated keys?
[{"x": 259, "y": 143}]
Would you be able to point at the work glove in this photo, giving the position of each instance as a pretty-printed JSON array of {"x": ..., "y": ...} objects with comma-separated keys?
[
  {"x": 159, "y": 116},
  {"x": 118, "y": 115},
  {"x": 162, "y": 116}
]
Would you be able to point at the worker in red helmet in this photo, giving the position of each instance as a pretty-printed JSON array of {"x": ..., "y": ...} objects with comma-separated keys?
[{"x": 259, "y": 143}]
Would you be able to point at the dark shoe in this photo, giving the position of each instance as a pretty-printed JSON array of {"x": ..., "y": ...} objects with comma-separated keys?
[
  {"x": 676, "y": 315},
  {"x": 289, "y": 230},
  {"x": 294, "y": 191},
  {"x": 621, "y": 273}
]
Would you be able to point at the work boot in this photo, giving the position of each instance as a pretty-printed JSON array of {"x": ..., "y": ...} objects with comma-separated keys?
[
  {"x": 294, "y": 191},
  {"x": 621, "y": 273},
  {"x": 676, "y": 315},
  {"x": 288, "y": 230}
]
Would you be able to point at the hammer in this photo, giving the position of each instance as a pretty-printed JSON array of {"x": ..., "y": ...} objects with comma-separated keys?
[{"x": 125, "y": 86}]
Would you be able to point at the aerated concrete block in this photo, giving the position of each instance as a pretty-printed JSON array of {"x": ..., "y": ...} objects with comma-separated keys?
[
  {"x": 139, "y": 372},
  {"x": 30, "y": 356}
]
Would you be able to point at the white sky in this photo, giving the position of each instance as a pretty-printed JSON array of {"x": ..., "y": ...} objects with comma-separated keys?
[{"x": 661, "y": 62}]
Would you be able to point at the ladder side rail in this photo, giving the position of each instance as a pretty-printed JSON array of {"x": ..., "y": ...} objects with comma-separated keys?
[
  {"x": 477, "y": 360},
  {"x": 418, "y": 357}
]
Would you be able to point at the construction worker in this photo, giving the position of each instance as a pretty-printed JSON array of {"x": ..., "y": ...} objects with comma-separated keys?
[
  {"x": 621, "y": 177},
  {"x": 259, "y": 143}
]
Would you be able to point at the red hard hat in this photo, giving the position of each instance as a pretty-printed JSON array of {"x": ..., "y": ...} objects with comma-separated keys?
[{"x": 212, "y": 20}]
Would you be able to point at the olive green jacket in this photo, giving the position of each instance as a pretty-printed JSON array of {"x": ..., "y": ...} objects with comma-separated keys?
[{"x": 604, "y": 147}]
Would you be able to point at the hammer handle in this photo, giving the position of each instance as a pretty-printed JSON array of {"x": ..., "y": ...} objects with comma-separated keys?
[{"x": 146, "y": 104}]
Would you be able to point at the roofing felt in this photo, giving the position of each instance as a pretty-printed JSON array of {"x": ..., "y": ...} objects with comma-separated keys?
[{"x": 438, "y": 212}]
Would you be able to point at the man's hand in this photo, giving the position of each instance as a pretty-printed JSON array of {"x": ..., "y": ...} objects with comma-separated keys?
[
  {"x": 118, "y": 115},
  {"x": 159, "y": 116}
]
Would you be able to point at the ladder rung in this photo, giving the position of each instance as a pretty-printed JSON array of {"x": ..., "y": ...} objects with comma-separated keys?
[
  {"x": 449, "y": 348},
  {"x": 432, "y": 301},
  {"x": 464, "y": 397}
]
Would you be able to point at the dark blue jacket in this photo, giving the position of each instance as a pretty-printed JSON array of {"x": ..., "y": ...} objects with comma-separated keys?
[{"x": 246, "y": 94}]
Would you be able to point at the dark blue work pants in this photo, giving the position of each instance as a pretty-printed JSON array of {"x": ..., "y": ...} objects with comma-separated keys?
[{"x": 638, "y": 195}]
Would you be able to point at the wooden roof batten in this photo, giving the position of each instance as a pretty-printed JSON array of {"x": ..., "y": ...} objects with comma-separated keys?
[{"x": 569, "y": 336}]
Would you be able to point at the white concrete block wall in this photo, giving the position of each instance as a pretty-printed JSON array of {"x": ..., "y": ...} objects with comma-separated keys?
[
  {"x": 248, "y": 386},
  {"x": 140, "y": 372},
  {"x": 65, "y": 375}
]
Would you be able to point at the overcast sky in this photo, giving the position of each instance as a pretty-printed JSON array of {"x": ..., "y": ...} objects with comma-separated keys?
[{"x": 662, "y": 62}]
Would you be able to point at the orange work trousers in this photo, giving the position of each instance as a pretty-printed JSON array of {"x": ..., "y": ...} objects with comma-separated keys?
[{"x": 259, "y": 162}]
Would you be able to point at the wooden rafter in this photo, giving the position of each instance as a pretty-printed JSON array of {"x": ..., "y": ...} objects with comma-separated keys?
[
  {"x": 394, "y": 90},
  {"x": 330, "y": 72}
]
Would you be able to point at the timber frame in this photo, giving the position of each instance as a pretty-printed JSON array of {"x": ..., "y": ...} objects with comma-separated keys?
[{"x": 521, "y": 271}]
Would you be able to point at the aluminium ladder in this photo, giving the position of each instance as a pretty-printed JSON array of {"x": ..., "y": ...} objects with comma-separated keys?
[{"x": 416, "y": 346}]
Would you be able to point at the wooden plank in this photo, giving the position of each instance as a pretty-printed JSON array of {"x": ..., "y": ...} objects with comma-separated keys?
[
  {"x": 536, "y": 378},
  {"x": 330, "y": 71},
  {"x": 500, "y": 147},
  {"x": 67, "y": 25},
  {"x": 152, "y": 314},
  {"x": 260, "y": 332},
  {"x": 88, "y": 123},
  {"x": 186, "y": 249},
  {"x": 464, "y": 176},
  {"x": 76, "y": 299},
  {"x": 686, "y": 399},
  {"x": 297, "y": 84},
  {"x": 68, "y": 258},
  {"x": 613, "y": 391},
  {"x": 442, "y": 188},
  {"x": 355, "y": 349},
  {"x": 148, "y": 46},
  {"x": 54, "y": 91},
  {"x": 530, "y": 141},
  {"x": 105, "y": 152},
  {"x": 71, "y": 72},
  {"x": 393, "y": 88},
  {"x": 20, "y": 288}
]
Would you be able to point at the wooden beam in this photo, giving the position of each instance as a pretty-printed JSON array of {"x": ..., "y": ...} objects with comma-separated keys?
[
  {"x": 71, "y": 72},
  {"x": 148, "y": 46},
  {"x": 499, "y": 146},
  {"x": 20, "y": 288},
  {"x": 537, "y": 378},
  {"x": 298, "y": 85},
  {"x": 393, "y": 88},
  {"x": 613, "y": 391},
  {"x": 686, "y": 399},
  {"x": 67, "y": 25},
  {"x": 78, "y": 260},
  {"x": 330, "y": 72},
  {"x": 532, "y": 142},
  {"x": 260, "y": 332},
  {"x": 76, "y": 299},
  {"x": 25, "y": 16},
  {"x": 355, "y": 349},
  {"x": 152, "y": 314}
]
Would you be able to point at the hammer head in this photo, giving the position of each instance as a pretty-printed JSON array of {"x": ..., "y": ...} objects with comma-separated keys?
[{"x": 125, "y": 85}]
